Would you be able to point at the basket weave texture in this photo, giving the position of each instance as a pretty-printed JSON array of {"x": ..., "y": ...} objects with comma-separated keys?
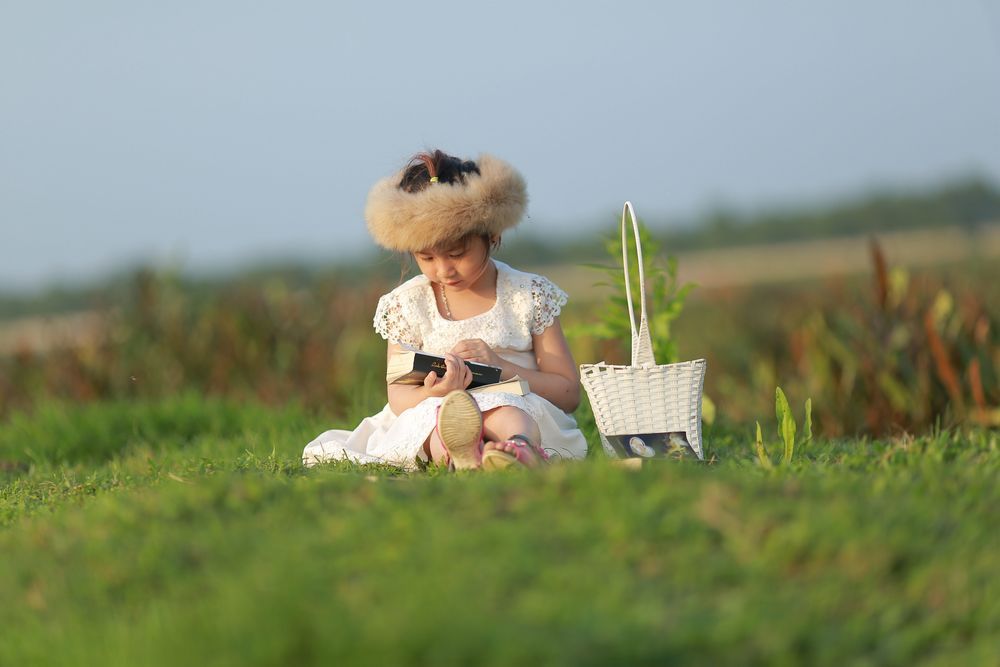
[{"x": 644, "y": 397}]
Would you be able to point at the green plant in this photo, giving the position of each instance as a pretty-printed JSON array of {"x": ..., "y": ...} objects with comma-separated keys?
[
  {"x": 786, "y": 430},
  {"x": 665, "y": 297},
  {"x": 665, "y": 300}
]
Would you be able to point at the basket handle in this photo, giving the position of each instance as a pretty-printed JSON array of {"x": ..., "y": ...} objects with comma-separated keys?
[{"x": 642, "y": 346}]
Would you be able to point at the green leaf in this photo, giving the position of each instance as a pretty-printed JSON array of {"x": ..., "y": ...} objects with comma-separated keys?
[
  {"x": 684, "y": 290},
  {"x": 707, "y": 409},
  {"x": 809, "y": 422},
  {"x": 786, "y": 424},
  {"x": 899, "y": 394},
  {"x": 762, "y": 455}
]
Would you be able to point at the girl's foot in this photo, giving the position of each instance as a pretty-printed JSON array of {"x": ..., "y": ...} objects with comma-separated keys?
[
  {"x": 460, "y": 428},
  {"x": 517, "y": 451}
]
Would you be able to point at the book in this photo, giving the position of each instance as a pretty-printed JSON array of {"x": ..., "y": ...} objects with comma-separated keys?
[
  {"x": 412, "y": 366},
  {"x": 515, "y": 385}
]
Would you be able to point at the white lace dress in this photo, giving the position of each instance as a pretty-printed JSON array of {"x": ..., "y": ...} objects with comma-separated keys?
[{"x": 526, "y": 304}]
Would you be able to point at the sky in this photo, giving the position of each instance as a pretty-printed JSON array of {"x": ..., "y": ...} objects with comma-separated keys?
[{"x": 213, "y": 134}]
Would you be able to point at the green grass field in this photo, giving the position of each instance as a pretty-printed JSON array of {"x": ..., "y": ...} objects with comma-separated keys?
[{"x": 185, "y": 531}]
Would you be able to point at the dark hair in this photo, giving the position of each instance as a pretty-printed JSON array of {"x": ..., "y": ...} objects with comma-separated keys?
[
  {"x": 424, "y": 166},
  {"x": 448, "y": 169}
]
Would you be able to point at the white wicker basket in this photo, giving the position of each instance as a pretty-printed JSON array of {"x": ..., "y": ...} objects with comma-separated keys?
[{"x": 645, "y": 404}]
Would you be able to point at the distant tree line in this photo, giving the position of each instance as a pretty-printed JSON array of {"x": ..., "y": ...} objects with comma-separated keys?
[{"x": 966, "y": 203}]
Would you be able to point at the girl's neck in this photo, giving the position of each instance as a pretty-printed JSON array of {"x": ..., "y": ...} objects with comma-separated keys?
[{"x": 479, "y": 297}]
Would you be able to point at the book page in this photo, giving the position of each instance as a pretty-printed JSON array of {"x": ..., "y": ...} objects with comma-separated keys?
[{"x": 515, "y": 385}]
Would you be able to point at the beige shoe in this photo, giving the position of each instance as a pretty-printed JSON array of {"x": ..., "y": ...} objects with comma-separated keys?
[
  {"x": 460, "y": 427},
  {"x": 524, "y": 452}
]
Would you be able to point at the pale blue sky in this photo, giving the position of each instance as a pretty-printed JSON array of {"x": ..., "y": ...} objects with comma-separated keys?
[{"x": 220, "y": 132}]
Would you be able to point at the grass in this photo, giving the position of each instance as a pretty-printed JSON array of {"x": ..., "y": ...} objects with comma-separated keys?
[{"x": 185, "y": 531}]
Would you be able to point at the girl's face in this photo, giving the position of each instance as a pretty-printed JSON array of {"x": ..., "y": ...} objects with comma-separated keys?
[{"x": 457, "y": 266}]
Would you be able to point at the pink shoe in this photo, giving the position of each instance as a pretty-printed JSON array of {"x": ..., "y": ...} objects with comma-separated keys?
[
  {"x": 460, "y": 427},
  {"x": 524, "y": 451}
]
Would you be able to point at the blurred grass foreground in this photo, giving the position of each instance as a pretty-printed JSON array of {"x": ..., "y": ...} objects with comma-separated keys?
[
  {"x": 191, "y": 534},
  {"x": 154, "y": 510}
]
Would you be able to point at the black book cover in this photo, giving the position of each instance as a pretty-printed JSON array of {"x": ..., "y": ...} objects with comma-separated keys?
[{"x": 413, "y": 367}]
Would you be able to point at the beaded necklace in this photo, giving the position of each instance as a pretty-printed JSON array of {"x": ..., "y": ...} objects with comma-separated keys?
[{"x": 444, "y": 302}]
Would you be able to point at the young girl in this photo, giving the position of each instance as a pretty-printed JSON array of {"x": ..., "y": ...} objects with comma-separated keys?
[{"x": 449, "y": 214}]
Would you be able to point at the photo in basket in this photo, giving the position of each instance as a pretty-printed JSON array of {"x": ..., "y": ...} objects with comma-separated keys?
[{"x": 672, "y": 445}]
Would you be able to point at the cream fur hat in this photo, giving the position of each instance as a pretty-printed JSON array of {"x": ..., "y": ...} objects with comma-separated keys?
[{"x": 489, "y": 202}]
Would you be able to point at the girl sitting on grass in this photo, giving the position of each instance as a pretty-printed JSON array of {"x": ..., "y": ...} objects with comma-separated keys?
[{"x": 449, "y": 214}]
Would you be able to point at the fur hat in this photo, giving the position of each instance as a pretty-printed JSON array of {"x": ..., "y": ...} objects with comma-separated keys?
[{"x": 489, "y": 202}]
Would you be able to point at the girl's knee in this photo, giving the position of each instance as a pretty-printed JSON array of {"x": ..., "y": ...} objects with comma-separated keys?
[
  {"x": 505, "y": 421},
  {"x": 506, "y": 411},
  {"x": 507, "y": 414}
]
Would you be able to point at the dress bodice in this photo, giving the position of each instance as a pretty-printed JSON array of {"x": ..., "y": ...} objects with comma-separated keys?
[{"x": 526, "y": 305}]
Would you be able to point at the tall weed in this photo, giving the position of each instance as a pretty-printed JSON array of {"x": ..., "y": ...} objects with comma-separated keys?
[
  {"x": 912, "y": 353},
  {"x": 665, "y": 299},
  {"x": 786, "y": 431}
]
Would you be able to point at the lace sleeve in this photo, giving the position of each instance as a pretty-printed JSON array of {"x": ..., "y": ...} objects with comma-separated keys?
[
  {"x": 391, "y": 321},
  {"x": 547, "y": 301}
]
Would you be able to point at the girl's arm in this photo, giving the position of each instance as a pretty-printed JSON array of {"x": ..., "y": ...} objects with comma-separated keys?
[
  {"x": 557, "y": 378},
  {"x": 403, "y": 397}
]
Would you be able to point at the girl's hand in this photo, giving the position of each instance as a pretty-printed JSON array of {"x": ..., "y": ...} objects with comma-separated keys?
[
  {"x": 456, "y": 376},
  {"x": 476, "y": 349}
]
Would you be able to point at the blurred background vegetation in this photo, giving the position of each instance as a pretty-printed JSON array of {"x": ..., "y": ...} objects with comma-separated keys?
[{"x": 882, "y": 309}]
